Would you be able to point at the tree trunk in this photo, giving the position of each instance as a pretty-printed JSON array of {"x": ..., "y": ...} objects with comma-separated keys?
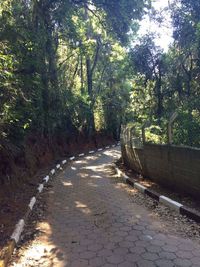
[
  {"x": 159, "y": 95},
  {"x": 91, "y": 123}
]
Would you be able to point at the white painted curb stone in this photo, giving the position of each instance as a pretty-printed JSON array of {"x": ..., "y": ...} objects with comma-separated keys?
[
  {"x": 32, "y": 203},
  {"x": 170, "y": 203},
  {"x": 46, "y": 179},
  {"x": 64, "y": 162},
  {"x": 72, "y": 158},
  {"x": 125, "y": 177},
  {"x": 58, "y": 166},
  {"x": 53, "y": 172},
  {"x": 18, "y": 230},
  {"x": 40, "y": 188},
  {"x": 100, "y": 149},
  {"x": 91, "y": 152},
  {"x": 140, "y": 187},
  {"x": 81, "y": 155}
]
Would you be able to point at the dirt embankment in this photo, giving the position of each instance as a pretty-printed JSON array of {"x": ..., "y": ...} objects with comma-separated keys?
[{"x": 21, "y": 169}]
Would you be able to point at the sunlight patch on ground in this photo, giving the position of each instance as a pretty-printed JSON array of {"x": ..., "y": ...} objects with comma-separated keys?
[
  {"x": 84, "y": 208},
  {"x": 95, "y": 168},
  {"x": 81, "y": 161},
  {"x": 67, "y": 184},
  {"x": 96, "y": 176},
  {"x": 83, "y": 175},
  {"x": 73, "y": 168},
  {"x": 92, "y": 185},
  {"x": 45, "y": 227},
  {"x": 80, "y": 205},
  {"x": 112, "y": 153},
  {"x": 91, "y": 157},
  {"x": 37, "y": 251},
  {"x": 42, "y": 252}
]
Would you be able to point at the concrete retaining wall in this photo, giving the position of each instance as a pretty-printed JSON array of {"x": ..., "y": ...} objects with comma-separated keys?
[{"x": 176, "y": 167}]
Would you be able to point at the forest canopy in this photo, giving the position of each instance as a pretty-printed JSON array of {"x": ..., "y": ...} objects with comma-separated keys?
[
  {"x": 69, "y": 67},
  {"x": 63, "y": 65}
]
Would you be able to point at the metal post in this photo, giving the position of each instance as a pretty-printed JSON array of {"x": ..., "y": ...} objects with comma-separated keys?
[
  {"x": 171, "y": 120},
  {"x": 131, "y": 136},
  {"x": 144, "y": 126}
]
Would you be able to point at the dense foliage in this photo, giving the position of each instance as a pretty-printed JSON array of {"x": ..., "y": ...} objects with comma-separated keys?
[
  {"x": 62, "y": 65},
  {"x": 69, "y": 67},
  {"x": 168, "y": 82}
]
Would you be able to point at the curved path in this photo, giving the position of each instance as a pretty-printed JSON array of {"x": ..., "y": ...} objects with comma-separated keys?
[{"x": 91, "y": 221}]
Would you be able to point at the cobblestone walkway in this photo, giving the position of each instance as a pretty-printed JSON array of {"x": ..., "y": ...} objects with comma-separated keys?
[{"x": 91, "y": 221}]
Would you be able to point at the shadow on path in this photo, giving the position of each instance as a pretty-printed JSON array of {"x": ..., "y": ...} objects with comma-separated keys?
[{"x": 91, "y": 221}]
